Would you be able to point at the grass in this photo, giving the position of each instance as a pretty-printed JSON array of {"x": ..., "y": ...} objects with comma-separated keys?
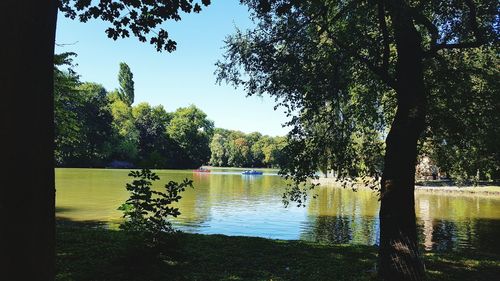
[{"x": 85, "y": 253}]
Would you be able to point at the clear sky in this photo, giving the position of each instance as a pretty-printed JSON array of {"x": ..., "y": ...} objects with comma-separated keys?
[{"x": 176, "y": 79}]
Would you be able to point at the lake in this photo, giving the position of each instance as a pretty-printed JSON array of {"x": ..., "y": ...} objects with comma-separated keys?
[{"x": 226, "y": 202}]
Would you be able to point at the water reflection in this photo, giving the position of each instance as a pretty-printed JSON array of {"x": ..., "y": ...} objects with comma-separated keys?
[
  {"x": 228, "y": 203},
  {"x": 342, "y": 216}
]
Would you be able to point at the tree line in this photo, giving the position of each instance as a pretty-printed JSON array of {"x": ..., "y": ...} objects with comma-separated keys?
[
  {"x": 98, "y": 128},
  {"x": 237, "y": 149}
]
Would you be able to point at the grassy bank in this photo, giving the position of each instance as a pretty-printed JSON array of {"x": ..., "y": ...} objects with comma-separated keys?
[{"x": 85, "y": 253}]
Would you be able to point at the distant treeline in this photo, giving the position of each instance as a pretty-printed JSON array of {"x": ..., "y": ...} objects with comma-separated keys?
[
  {"x": 236, "y": 149},
  {"x": 98, "y": 128}
]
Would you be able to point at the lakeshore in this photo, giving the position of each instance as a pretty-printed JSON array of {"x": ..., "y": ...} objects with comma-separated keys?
[{"x": 430, "y": 186}]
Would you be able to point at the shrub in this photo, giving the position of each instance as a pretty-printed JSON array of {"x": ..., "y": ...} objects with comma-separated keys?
[{"x": 147, "y": 211}]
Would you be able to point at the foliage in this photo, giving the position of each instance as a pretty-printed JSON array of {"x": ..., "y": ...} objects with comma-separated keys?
[
  {"x": 148, "y": 210},
  {"x": 237, "y": 149},
  {"x": 334, "y": 102},
  {"x": 82, "y": 118},
  {"x": 218, "y": 155},
  {"x": 463, "y": 132},
  {"x": 137, "y": 17},
  {"x": 154, "y": 145},
  {"x": 190, "y": 129},
  {"x": 352, "y": 73},
  {"x": 66, "y": 100},
  {"x": 95, "y": 145},
  {"x": 333, "y": 66},
  {"x": 126, "y": 80},
  {"x": 126, "y": 134},
  {"x": 98, "y": 128}
]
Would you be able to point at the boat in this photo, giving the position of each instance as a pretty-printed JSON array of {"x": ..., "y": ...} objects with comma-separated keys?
[
  {"x": 251, "y": 172},
  {"x": 201, "y": 170}
]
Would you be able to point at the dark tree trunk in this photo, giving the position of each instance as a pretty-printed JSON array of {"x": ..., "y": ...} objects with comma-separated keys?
[
  {"x": 27, "y": 232},
  {"x": 399, "y": 257}
]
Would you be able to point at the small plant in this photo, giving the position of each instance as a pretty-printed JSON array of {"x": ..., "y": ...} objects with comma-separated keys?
[{"x": 147, "y": 211}]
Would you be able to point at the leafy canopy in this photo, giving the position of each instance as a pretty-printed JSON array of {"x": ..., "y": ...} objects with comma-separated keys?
[
  {"x": 333, "y": 66},
  {"x": 139, "y": 18}
]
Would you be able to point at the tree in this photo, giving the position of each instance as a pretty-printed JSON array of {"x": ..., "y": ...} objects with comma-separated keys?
[
  {"x": 94, "y": 147},
  {"x": 239, "y": 152},
  {"x": 66, "y": 101},
  {"x": 192, "y": 131},
  {"x": 155, "y": 147},
  {"x": 82, "y": 119},
  {"x": 218, "y": 153},
  {"x": 316, "y": 57},
  {"x": 126, "y": 134},
  {"x": 237, "y": 149},
  {"x": 126, "y": 80},
  {"x": 463, "y": 132},
  {"x": 29, "y": 240}
]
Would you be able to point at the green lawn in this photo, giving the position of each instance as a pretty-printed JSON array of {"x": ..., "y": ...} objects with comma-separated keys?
[{"x": 85, "y": 253}]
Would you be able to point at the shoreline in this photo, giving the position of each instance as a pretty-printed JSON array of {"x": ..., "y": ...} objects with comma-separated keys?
[{"x": 429, "y": 187}]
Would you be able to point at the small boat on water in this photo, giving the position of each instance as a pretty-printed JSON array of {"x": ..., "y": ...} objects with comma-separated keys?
[
  {"x": 201, "y": 170},
  {"x": 251, "y": 172}
]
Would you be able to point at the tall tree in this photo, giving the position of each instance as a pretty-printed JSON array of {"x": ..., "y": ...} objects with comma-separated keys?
[
  {"x": 126, "y": 81},
  {"x": 310, "y": 55},
  {"x": 126, "y": 135},
  {"x": 28, "y": 241}
]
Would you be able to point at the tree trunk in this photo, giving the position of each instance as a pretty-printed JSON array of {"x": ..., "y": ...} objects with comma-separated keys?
[
  {"x": 399, "y": 256},
  {"x": 27, "y": 233}
]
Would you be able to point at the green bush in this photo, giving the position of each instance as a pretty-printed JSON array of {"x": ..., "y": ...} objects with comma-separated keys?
[{"x": 147, "y": 211}]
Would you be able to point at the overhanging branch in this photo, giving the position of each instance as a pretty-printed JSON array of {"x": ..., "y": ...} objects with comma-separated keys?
[{"x": 473, "y": 24}]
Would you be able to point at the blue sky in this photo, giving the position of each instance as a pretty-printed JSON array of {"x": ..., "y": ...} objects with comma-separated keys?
[{"x": 177, "y": 79}]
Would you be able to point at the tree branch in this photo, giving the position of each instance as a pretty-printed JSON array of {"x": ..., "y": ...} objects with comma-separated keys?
[
  {"x": 463, "y": 45},
  {"x": 433, "y": 30},
  {"x": 479, "y": 39}
]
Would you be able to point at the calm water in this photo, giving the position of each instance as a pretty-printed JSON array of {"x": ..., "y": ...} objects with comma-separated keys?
[{"x": 227, "y": 202}]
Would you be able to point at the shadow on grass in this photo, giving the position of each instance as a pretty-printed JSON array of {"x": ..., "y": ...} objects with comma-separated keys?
[
  {"x": 463, "y": 266},
  {"x": 99, "y": 254}
]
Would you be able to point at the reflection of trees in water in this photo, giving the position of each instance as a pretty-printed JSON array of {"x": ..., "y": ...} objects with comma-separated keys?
[
  {"x": 342, "y": 216},
  {"x": 446, "y": 222},
  {"x": 471, "y": 234},
  {"x": 358, "y": 230},
  {"x": 343, "y": 202}
]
